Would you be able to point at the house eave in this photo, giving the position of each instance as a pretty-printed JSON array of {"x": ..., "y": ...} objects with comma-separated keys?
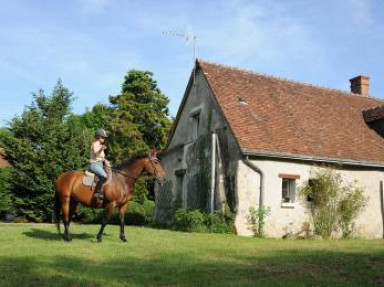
[{"x": 288, "y": 156}]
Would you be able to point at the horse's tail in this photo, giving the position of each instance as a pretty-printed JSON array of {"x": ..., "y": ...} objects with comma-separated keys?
[{"x": 57, "y": 210}]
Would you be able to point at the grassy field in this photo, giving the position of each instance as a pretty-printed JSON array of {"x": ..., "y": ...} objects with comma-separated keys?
[{"x": 34, "y": 255}]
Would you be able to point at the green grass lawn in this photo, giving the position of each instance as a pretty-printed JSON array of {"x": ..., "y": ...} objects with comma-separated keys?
[{"x": 34, "y": 255}]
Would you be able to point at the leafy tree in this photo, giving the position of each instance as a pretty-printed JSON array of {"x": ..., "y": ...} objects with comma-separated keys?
[
  {"x": 137, "y": 120},
  {"x": 138, "y": 116},
  {"x": 47, "y": 139},
  {"x": 95, "y": 118},
  {"x": 42, "y": 143}
]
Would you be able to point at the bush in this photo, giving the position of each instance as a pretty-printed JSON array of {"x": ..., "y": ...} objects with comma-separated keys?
[
  {"x": 196, "y": 221},
  {"x": 257, "y": 220},
  {"x": 221, "y": 222},
  {"x": 149, "y": 209},
  {"x": 349, "y": 207},
  {"x": 137, "y": 214},
  {"x": 333, "y": 205},
  {"x": 190, "y": 221},
  {"x": 88, "y": 215}
]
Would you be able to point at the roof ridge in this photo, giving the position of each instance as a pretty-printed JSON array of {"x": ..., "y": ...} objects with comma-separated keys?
[{"x": 287, "y": 80}]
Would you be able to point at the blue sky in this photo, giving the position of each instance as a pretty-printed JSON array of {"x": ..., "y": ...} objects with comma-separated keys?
[{"x": 91, "y": 44}]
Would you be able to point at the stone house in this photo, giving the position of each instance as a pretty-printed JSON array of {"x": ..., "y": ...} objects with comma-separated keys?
[{"x": 243, "y": 139}]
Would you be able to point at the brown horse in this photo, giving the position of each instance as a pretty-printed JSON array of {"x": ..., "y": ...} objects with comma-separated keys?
[{"x": 118, "y": 191}]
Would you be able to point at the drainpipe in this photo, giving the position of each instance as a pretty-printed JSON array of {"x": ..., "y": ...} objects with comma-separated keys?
[
  {"x": 258, "y": 170},
  {"x": 213, "y": 173}
]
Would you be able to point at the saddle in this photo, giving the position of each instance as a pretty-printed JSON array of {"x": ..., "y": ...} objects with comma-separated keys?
[{"x": 90, "y": 178}]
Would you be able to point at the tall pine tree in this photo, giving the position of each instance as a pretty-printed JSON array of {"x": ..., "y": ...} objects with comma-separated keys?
[
  {"x": 138, "y": 117},
  {"x": 42, "y": 143},
  {"x": 137, "y": 121}
]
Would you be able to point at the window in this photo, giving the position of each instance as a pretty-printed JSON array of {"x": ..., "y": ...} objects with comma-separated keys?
[
  {"x": 180, "y": 188},
  {"x": 288, "y": 187},
  {"x": 194, "y": 115},
  {"x": 288, "y": 190},
  {"x": 195, "y": 126}
]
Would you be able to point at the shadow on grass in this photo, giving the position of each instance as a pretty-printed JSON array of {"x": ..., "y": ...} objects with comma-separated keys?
[
  {"x": 53, "y": 235},
  {"x": 283, "y": 268}
]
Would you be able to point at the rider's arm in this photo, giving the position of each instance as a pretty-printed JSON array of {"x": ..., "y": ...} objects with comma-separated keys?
[{"x": 97, "y": 148}]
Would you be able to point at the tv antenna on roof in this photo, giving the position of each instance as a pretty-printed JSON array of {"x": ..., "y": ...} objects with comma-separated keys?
[{"x": 189, "y": 36}]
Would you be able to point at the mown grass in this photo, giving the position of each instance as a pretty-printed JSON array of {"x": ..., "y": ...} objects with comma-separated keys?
[{"x": 34, "y": 255}]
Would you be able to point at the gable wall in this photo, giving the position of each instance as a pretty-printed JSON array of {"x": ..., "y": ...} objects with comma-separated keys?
[{"x": 193, "y": 158}]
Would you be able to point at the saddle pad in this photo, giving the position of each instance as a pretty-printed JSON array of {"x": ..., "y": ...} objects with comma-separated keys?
[
  {"x": 88, "y": 178},
  {"x": 88, "y": 173}
]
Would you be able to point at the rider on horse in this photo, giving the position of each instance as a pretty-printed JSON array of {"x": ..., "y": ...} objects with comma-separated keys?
[{"x": 98, "y": 160}]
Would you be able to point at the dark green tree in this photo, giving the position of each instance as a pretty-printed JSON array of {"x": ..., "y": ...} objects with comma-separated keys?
[
  {"x": 138, "y": 117},
  {"x": 47, "y": 139},
  {"x": 5, "y": 186},
  {"x": 137, "y": 121},
  {"x": 43, "y": 142},
  {"x": 5, "y": 191}
]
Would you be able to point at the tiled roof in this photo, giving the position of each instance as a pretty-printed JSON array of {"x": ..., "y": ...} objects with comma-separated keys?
[{"x": 277, "y": 116}]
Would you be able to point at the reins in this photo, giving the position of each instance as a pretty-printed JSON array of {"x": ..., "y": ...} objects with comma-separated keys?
[
  {"x": 123, "y": 173},
  {"x": 130, "y": 175}
]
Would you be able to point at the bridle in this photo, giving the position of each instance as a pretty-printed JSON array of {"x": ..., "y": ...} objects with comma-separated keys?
[{"x": 153, "y": 165}]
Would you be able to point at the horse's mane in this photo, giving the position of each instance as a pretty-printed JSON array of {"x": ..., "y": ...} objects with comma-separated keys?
[{"x": 128, "y": 162}]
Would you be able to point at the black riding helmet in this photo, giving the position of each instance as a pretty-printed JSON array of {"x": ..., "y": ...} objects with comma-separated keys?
[{"x": 101, "y": 133}]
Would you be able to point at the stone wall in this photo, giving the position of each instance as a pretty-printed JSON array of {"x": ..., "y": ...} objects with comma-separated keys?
[
  {"x": 188, "y": 160},
  {"x": 286, "y": 218}
]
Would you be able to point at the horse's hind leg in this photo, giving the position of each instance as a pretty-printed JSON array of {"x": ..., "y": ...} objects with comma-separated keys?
[
  {"x": 66, "y": 217},
  {"x": 72, "y": 208}
]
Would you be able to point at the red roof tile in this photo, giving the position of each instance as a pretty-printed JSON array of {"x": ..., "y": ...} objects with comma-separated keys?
[{"x": 272, "y": 115}]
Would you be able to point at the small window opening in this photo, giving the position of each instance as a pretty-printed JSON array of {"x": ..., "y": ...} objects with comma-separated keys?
[
  {"x": 288, "y": 190},
  {"x": 195, "y": 126}
]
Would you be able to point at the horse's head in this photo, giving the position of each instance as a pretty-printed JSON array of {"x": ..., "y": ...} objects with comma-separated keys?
[{"x": 154, "y": 168}]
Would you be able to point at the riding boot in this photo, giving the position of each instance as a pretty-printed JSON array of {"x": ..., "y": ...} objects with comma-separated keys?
[{"x": 98, "y": 193}]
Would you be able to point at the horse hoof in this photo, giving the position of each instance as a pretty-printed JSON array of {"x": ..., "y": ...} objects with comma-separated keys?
[
  {"x": 99, "y": 239},
  {"x": 67, "y": 239},
  {"x": 123, "y": 239}
]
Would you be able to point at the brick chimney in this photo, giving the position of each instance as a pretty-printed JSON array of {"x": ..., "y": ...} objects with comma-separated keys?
[{"x": 360, "y": 85}]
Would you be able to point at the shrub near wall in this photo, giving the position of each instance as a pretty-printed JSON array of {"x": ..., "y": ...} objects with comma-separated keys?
[
  {"x": 197, "y": 221},
  {"x": 333, "y": 205}
]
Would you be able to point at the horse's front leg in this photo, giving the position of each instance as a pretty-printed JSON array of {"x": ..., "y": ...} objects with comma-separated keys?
[
  {"x": 107, "y": 215},
  {"x": 122, "y": 210}
]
